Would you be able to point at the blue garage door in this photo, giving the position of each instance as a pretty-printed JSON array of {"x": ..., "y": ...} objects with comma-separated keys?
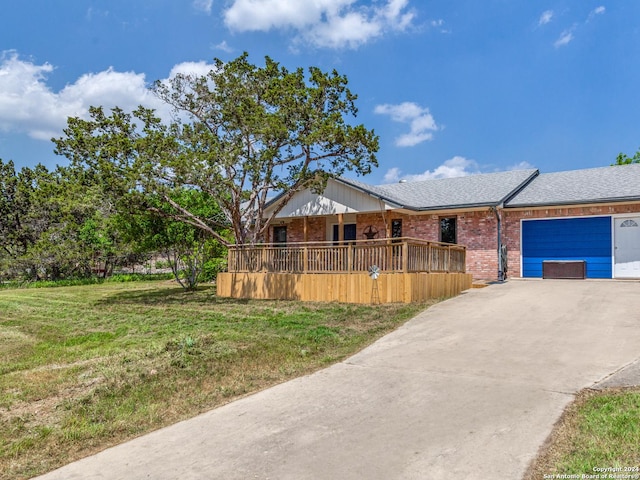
[{"x": 587, "y": 239}]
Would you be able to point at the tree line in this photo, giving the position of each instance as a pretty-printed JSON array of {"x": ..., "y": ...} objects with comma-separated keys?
[
  {"x": 64, "y": 224},
  {"x": 186, "y": 188}
]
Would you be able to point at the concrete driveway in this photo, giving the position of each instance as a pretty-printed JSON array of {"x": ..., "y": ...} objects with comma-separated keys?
[{"x": 469, "y": 389}]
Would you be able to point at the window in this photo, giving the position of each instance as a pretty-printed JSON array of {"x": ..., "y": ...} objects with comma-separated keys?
[
  {"x": 396, "y": 228},
  {"x": 448, "y": 230},
  {"x": 349, "y": 230},
  {"x": 629, "y": 223},
  {"x": 280, "y": 234}
]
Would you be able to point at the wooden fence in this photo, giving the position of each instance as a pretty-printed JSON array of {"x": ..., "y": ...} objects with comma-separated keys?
[{"x": 405, "y": 255}]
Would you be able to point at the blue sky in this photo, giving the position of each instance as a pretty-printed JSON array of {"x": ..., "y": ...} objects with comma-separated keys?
[{"x": 451, "y": 87}]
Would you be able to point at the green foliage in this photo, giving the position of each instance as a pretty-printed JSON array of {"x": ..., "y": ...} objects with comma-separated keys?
[
  {"x": 212, "y": 268},
  {"x": 74, "y": 282},
  {"x": 244, "y": 132},
  {"x": 136, "y": 186},
  {"x": 56, "y": 225},
  {"x": 624, "y": 159},
  {"x": 186, "y": 249}
]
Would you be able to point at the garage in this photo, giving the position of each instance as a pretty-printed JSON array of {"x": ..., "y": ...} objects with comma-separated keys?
[{"x": 567, "y": 241}]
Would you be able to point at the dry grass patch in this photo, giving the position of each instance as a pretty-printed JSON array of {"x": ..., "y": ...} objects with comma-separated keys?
[{"x": 91, "y": 366}]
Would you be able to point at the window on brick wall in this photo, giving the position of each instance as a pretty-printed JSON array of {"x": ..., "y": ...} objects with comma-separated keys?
[
  {"x": 396, "y": 228},
  {"x": 448, "y": 230},
  {"x": 349, "y": 232},
  {"x": 280, "y": 235}
]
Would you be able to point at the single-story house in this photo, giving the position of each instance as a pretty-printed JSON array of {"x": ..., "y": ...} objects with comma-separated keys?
[{"x": 518, "y": 223}]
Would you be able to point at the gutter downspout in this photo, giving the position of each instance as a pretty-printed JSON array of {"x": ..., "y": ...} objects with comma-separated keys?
[{"x": 501, "y": 273}]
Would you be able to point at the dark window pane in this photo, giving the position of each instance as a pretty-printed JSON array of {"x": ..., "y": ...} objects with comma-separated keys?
[
  {"x": 280, "y": 234},
  {"x": 448, "y": 230},
  {"x": 396, "y": 228},
  {"x": 349, "y": 230}
]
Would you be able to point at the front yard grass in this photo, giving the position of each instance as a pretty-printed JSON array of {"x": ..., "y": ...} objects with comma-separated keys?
[
  {"x": 599, "y": 430},
  {"x": 87, "y": 367}
]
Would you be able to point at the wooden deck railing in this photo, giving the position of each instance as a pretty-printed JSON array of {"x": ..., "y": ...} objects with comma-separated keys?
[{"x": 397, "y": 255}]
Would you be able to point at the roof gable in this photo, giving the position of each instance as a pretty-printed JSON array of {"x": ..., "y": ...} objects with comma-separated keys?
[{"x": 336, "y": 198}]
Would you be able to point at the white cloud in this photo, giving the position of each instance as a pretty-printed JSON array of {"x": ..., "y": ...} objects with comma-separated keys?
[
  {"x": 29, "y": 105},
  {"x": 596, "y": 11},
  {"x": 454, "y": 167},
  {"x": 565, "y": 38},
  {"x": 395, "y": 14},
  {"x": 420, "y": 120},
  {"x": 546, "y": 17},
  {"x": 263, "y": 15},
  {"x": 392, "y": 175},
  {"x": 352, "y": 29},
  {"x": 223, "y": 46},
  {"x": 203, "y": 5},
  {"x": 323, "y": 23},
  {"x": 520, "y": 166},
  {"x": 440, "y": 25},
  {"x": 199, "y": 69}
]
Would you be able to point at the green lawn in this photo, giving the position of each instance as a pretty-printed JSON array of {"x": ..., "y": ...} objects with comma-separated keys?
[
  {"x": 600, "y": 430},
  {"x": 87, "y": 367}
]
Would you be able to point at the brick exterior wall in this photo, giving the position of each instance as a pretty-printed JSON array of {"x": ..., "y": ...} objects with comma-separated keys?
[
  {"x": 477, "y": 230},
  {"x": 315, "y": 230},
  {"x": 511, "y": 224}
]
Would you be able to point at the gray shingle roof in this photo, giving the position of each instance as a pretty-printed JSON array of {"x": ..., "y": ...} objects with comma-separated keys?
[
  {"x": 481, "y": 190},
  {"x": 594, "y": 185}
]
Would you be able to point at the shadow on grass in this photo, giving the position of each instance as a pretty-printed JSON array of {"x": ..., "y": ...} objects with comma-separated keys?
[{"x": 170, "y": 295}]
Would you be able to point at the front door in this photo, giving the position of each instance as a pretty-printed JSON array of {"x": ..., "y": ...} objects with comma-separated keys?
[{"x": 626, "y": 255}]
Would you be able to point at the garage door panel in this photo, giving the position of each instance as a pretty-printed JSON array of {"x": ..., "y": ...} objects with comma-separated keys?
[{"x": 587, "y": 239}]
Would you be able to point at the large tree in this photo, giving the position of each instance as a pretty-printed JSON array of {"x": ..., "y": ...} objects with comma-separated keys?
[{"x": 242, "y": 133}]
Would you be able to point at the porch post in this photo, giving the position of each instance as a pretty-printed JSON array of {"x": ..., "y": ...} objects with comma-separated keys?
[
  {"x": 405, "y": 256},
  {"x": 305, "y": 249},
  {"x": 340, "y": 228}
]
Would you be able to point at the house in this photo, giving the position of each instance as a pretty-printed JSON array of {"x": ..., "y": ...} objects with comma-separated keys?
[
  {"x": 516, "y": 223},
  {"x": 590, "y": 216}
]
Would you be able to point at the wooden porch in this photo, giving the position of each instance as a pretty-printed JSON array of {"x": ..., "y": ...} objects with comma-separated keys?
[
  {"x": 397, "y": 255},
  {"x": 411, "y": 270}
]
